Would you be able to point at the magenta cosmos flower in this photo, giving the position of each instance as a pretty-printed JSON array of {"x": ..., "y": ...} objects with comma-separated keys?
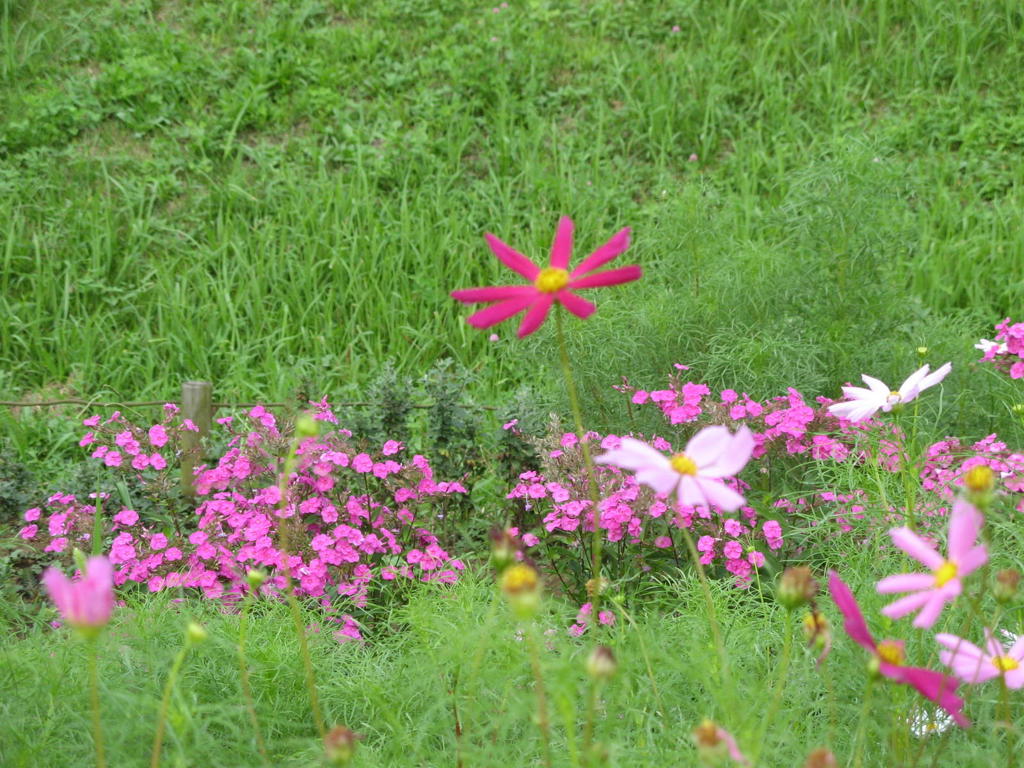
[
  {"x": 973, "y": 665},
  {"x": 864, "y": 403},
  {"x": 931, "y": 591},
  {"x": 86, "y": 604},
  {"x": 889, "y": 656},
  {"x": 695, "y": 474},
  {"x": 548, "y": 285}
]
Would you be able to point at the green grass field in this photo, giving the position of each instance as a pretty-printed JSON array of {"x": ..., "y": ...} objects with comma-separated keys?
[{"x": 279, "y": 197}]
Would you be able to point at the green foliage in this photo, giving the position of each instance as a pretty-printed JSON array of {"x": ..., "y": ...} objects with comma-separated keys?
[{"x": 266, "y": 192}]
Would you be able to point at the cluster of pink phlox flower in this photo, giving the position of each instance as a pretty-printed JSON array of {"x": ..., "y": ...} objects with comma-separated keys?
[
  {"x": 586, "y": 614},
  {"x": 634, "y": 515},
  {"x": 348, "y": 517},
  {"x": 1007, "y": 351}
]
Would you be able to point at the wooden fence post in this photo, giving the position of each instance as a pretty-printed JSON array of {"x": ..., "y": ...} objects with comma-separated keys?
[{"x": 196, "y": 405}]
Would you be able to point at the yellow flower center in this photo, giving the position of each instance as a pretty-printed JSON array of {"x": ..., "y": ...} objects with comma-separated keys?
[
  {"x": 518, "y": 579},
  {"x": 551, "y": 280},
  {"x": 945, "y": 573},
  {"x": 980, "y": 478},
  {"x": 891, "y": 651},
  {"x": 1005, "y": 663},
  {"x": 683, "y": 464}
]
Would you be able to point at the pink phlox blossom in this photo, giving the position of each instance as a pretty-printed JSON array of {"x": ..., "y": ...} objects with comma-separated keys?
[
  {"x": 931, "y": 591},
  {"x": 547, "y": 286}
]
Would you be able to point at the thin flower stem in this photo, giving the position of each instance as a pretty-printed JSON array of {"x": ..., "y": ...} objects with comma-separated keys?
[
  {"x": 243, "y": 666},
  {"x": 293, "y": 603},
  {"x": 158, "y": 739},
  {"x": 595, "y": 502},
  {"x": 647, "y": 662},
  {"x": 1004, "y": 710},
  {"x": 307, "y": 662},
  {"x": 593, "y": 694},
  {"x": 716, "y": 630},
  {"x": 94, "y": 704},
  {"x": 862, "y": 724},
  {"x": 574, "y": 402},
  {"x": 474, "y": 667},
  {"x": 778, "y": 685},
  {"x": 543, "y": 723},
  {"x": 830, "y": 691}
]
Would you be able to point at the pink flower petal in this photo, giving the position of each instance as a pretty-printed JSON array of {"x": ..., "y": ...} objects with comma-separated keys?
[
  {"x": 854, "y": 410},
  {"x": 906, "y": 605},
  {"x": 616, "y": 245},
  {"x": 930, "y": 612},
  {"x": 690, "y": 493},
  {"x": 707, "y": 445},
  {"x": 964, "y": 524},
  {"x": 1015, "y": 679},
  {"x": 853, "y": 620},
  {"x": 905, "y": 582},
  {"x": 609, "y": 277},
  {"x": 722, "y": 496},
  {"x": 959, "y": 646},
  {"x": 536, "y": 314},
  {"x": 503, "y": 310},
  {"x": 732, "y": 458},
  {"x": 909, "y": 389},
  {"x": 493, "y": 293},
  {"x": 561, "y": 248},
  {"x": 662, "y": 480},
  {"x": 973, "y": 560},
  {"x": 878, "y": 388},
  {"x": 916, "y": 547},
  {"x": 934, "y": 378},
  {"x": 633, "y": 454},
  {"x": 933, "y": 685},
  {"x": 512, "y": 259},
  {"x": 576, "y": 304}
]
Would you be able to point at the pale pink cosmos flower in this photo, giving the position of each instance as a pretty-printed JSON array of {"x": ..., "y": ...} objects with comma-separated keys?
[
  {"x": 695, "y": 474},
  {"x": 86, "y": 604},
  {"x": 973, "y": 665},
  {"x": 931, "y": 591},
  {"x": 548, "y": 285},
  {"x": 864, "y": 403}
]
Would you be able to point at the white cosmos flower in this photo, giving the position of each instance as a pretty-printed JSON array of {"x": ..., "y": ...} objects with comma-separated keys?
[
  {"x": 924, "y": 723},
  {"x": 864, "y": 403}
]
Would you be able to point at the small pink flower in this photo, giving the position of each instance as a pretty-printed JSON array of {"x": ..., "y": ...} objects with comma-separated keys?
[
  {"x": 87, "y": 603},
  {"x": 973, "y": 665},
  {"x": 157, "y": 436},
  {"x": 931, "y": 591},
  {"x": 863, "y": 403},
  {"x": 549, "y": 285},
  {"x": 28, "y": 532},
  {"x": 695, "y": 474},
  {"x": 127, "y": 517}
]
